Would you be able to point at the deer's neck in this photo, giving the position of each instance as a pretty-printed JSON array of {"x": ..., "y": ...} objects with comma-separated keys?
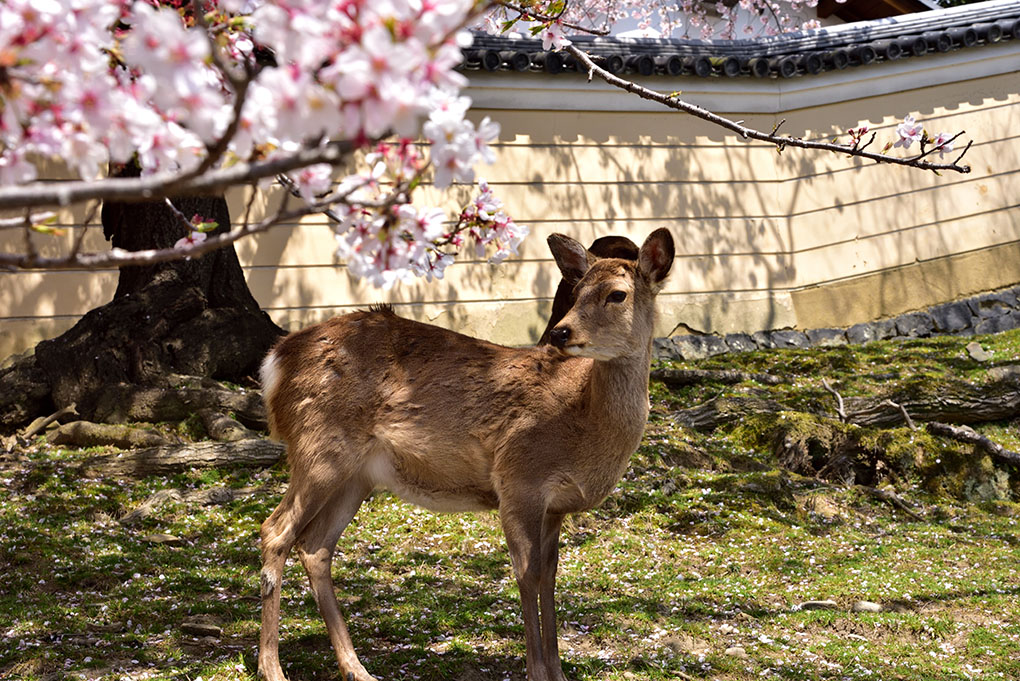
[{"x": 618, "y": 391}]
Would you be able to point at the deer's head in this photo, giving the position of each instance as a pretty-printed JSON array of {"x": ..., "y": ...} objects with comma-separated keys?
[{"x": 614, "y": 308}]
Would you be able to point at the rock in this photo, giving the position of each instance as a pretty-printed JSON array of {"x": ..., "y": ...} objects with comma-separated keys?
[
  {"x": 740, "y": 342},
  {"x": 826, "y": 338},
  {"x": 819, "y": 605},
  {"x": 201, "y": 629},
  {"x": 915, "y": 325},
  {"x": 700, "y": 347},
  {"x": 858, "y": 334},
  {"x": 161, "y": 538},
  {"x": 736, "y": 651},
  {"x": 951, "y": 317},
  {"x": 763, "y": 339},
  {"x": 88, "y": 434},
  {"x": 789, "y": 338},
  {"x": 727, "y": 629},
  {"x": 1003, "y": 322},
  {"x": 993, "y": 304},
  {"x": 978, "y": 353},
  {"x": 866, "y": 606},
  {"x": 665, "y": 348},
  {"x": 1010, "y": 372}
]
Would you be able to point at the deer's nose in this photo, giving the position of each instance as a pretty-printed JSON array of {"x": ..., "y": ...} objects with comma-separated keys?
[{"x": 559, "y": 336}]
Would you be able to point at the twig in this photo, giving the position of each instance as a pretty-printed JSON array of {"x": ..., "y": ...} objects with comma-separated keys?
[
  {"x": 19, "y": 222},
  {"x": 238, "y": 84},
  {"x": 118, "y": 257},
  {"x": 169, "y": 185},
  {"x": 750, "y": 133},
  {"x": 529, "y": 15},
  {"x": 840, "y": 410},
  {"x": 39, "y": 427},
  {"x": 890, "y": 498},
  {"x": 968, "y": 435},
  {"x": 903, "y": 410}
]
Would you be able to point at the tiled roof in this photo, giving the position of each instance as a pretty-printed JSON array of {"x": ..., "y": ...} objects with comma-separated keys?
[{"x": 798, "y": 54}]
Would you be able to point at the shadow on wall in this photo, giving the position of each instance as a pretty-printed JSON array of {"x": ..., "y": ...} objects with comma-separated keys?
[
  {"x": 752, "y": 222},
  {"x": 752, "y": 227}
]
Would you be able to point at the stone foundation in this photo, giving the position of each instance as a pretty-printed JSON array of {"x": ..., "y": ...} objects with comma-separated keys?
[{"x": 986, "y": 313}]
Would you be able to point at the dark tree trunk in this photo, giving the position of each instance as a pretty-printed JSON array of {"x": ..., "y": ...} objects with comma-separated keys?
[{"x": 194, "y": 317}]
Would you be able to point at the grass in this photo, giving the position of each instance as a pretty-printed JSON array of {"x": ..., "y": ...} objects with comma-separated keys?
[{"x": 705, "y": 547}]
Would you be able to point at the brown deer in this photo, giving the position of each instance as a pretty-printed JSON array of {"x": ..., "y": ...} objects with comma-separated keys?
[
  {"x": 454, "y": 423},
  {"x": 603, "y": 247}
]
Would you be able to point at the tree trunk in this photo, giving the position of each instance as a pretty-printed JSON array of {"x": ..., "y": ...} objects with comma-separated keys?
[{"x": 194, "y": 317}]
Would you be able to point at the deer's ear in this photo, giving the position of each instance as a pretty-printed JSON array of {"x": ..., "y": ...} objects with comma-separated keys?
[
  {"x": 656, "y": 255},
  {"x": 572, "y": 258}
]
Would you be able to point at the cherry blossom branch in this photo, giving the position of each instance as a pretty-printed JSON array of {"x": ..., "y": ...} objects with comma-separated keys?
[
  {"x": 119, "y": 257},
  {"x": 530, "y": 14},
  {"x": 239, "y": 86},
  {"x": 781, "y": 141},
  {"x": 168, "y": 185}
]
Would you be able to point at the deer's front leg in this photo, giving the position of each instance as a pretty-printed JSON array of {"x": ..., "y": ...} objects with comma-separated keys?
[
  {"x": 522, "y": 526},
  {"x": 547, "y": 594}
]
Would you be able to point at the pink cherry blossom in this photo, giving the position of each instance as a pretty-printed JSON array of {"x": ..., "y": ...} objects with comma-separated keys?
[
  {"x": 909, "y": 132},
  {"x": 944, "y": 143}
]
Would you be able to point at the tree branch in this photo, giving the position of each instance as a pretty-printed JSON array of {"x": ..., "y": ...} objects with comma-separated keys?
[
  {"x": 750, "y": 133},
  {"x": 168, "y": 185}
]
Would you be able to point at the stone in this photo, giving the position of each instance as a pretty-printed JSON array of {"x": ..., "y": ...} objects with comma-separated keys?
[
  {"x": 915, "y": 325},
  {"x": 819, "y": 605},
  {"x": 1010, "y": 372},
  {"x": 1004, "y": 322},
  {"x": 700, "y": 347},
  {"x": 790, "y": 338},
  {"x": 763, "y": 339},
  {"x": 951, "y": 317},
  {"x": 201, "y": 629},
  {"x": 978, "y": 353},
  {"x": 162, "y": 538},
  {"x": 740, "y": 342},
  {"x": 993, "y": 304},
  {"x": 858, "y": 334},
  {"x": 866, "y": 606},
  {"x": 826, "y": 338},
  {"x": 665, "y": 348},
  {"x": 736, "y": 651}
]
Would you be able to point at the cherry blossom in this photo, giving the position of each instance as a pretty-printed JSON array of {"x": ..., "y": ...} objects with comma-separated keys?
[
  {"x": 111, "y": 81},
  {"x": 944, "y": 143},
  {"x": 909, "y": 131}
]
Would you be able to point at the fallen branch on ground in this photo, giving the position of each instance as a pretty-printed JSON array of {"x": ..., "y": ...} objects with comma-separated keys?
[
  {"x": 179, "y": 458},
  {"x": 970, "y": 436}
]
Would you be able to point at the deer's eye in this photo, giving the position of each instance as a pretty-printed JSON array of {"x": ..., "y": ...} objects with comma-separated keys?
[{"x": 616, "y": 297}]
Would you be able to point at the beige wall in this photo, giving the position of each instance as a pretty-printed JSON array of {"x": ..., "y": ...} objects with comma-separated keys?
[{"x": 765, "y": 240}]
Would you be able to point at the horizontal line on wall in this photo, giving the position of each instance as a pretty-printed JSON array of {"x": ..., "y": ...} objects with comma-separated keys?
[{"x": 534, "y": 299}]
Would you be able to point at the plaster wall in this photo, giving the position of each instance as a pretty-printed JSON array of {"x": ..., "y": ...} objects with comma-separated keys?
[{"x": 765, "y": 240}]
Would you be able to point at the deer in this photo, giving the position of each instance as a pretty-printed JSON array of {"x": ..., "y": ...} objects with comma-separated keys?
[{"x": 452, "y": 423}]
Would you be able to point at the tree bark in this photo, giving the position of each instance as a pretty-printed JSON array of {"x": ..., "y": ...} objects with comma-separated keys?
[
  {"x": 194, "y": 317},
  {"x": 255, "y": 452}
]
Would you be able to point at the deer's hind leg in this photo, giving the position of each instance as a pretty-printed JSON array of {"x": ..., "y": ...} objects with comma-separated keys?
[
  {"x": 315, "y": 548},
  {"x": 311, "y": 489}
]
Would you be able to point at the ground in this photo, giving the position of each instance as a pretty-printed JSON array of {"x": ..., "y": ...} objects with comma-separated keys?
[{"x": 697, "y": 566}]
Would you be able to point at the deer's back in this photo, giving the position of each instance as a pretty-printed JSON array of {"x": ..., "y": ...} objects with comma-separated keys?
[{"x": 428, "y": 404}]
